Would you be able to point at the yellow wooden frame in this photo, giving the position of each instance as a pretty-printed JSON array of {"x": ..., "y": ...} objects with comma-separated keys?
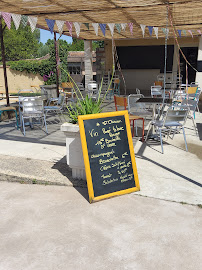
[{"x": 92, "y": 198}]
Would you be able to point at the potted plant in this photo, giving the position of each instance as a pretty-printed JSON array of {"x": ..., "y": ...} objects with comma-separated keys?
[{"x": 82, "y": 106}]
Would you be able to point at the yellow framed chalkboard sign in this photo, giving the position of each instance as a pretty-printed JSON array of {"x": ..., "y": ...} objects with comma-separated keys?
[{"x": 108, "y": 155}]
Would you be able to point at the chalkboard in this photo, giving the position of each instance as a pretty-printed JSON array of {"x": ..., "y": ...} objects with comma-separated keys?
[{"x": 108, "y": 155}]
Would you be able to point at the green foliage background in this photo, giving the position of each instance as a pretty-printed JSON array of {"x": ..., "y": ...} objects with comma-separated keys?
[{"x": 23, "y": 44}]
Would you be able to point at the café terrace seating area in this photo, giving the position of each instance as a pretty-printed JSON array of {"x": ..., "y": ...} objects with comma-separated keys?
[
  {"x": 170, "y": 150},
  {"x": 39, "y": 113}
]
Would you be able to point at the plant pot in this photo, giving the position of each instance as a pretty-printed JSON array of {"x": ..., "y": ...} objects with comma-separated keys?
[{"x": 74, "y": 150}]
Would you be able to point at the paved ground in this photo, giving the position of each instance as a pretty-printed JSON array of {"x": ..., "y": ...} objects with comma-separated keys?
[
  {"x": 50, "y": 227},
  {"x": 54, "y": 227},
  {"x": 174, "y": 175}
]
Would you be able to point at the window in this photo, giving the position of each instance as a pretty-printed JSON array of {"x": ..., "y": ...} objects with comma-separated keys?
[{"x": 74, "y": 68}]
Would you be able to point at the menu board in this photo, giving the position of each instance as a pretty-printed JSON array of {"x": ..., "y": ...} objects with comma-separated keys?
[{"x": 108, "y": 155}]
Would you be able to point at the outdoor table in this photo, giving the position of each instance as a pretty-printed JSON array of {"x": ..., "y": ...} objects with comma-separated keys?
[{"x": 154, "y": 102}]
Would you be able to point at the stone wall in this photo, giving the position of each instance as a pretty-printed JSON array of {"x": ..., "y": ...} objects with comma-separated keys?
[{"x": 19, "y": 80}]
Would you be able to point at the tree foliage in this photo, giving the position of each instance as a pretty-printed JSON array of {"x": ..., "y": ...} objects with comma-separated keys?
[{"x": 20, "y": 44}]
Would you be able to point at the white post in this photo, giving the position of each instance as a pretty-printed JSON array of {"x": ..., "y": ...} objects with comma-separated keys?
[
  {"x": 199, "y": 73},
  {"x": 88, "y": 62}
]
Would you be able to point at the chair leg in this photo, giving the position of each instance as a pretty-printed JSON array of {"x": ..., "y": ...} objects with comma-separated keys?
[
  {"x": 44, "y": 117},
  {"x": 16, "y": 119},
  {"x": 160, "y": 135},
  {"x": 185, "y": 139},
  {"x": 192, "y": 118},
  {"x": 136, "y": 128},
  {"x": 23, "y": 126},
  {"x": 149, "y": 128},
  {"x": 142, "y": 129}
]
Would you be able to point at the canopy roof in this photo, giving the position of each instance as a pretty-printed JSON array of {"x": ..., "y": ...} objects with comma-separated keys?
[{"x": 186, "y": 15}]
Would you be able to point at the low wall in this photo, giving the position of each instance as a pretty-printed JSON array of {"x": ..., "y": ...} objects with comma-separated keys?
[{"x": 18, "y": 80}]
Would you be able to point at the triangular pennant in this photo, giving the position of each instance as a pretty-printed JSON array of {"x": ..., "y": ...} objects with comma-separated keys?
[
  {"x": 123, "y": 26},
  {"x": 69, "y": 26},
  {"x": 50, "y": 24},
  {"x": 131, "y": 27},
  {"x": 102, "y": 27},
  {"x": 156, "y": 30},
  {"x": 16, "y": 19},
  {"x": 150, "y": 30},
  {"x": 111, "y": 27},
  {"x": 179, "y": 32},
  {"x": 7, "y": 18},
  {"x": 190, "y": 32},
  {"x": 199, "y": 31},
  {"x": 32, "y": 22},
  {"x": 95, "y": 26},
  {"x": 118, "y": 27},
  {"x": 143, "y": 28},
  {"x": 87, "y": 25},
  {"x": 184, "y": 32},
  {"x": 77, "y": 28},
  {"x": 24, "y": 20},
  {"x": 165, "y": 31},
  {"x": 60, "y": 25}
]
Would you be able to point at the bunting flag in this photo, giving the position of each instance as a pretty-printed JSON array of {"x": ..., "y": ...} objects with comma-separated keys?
[
  {"x": 60, "y": 25},
  {"x": 123, "y": 26},
  {"x": 131, "y": 28},
  {"x": 102, "y": 27},
  {"x": 199, "y": 31},
  {"x": 184, "y": 32},
  {"x": 69, "y": 26},
  {"x": 32, "y": 22},
  {"x": 111, "y": 27},
  {"x": 118, "y": 27},
  {"x": 87, "y": 25},
  {"x": 156, "y": 30},
  {"x": 190, "y": 32},
  {"x": 150, "y": 30},
  {"x": 179, "y": 33},
  {"x": 95, "y": 26},
  {"x": 16, "y": 19},
  {"x": 143, "y": 29},
  {"x": 50, "y": 24},
  {"x": 165, "y": 31},
  {"x": 77, "y": 28},
  {"x": 7, "y": 18},
  {"x": 24, "y": 20}
]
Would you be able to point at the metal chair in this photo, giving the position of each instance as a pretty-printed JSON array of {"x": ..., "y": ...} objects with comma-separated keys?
[
  {"x": 139, "y": 109},
  {"x": 32, "y": 108},
  {"x": 9, "y": 109},
  {"x": 58, "y": 108},
  {"x": 192, "y": 104},
  {"x": 122, "y": 102},
  {"x": 174, "y": 120},
  {"x": 93, "y": 90},
  {"x": 156, "y": 91}
]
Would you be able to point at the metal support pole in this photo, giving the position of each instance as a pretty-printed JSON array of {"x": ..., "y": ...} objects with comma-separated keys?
[
  {"x": 4, "y": 62},
  {"x": 57, "y": 61}
]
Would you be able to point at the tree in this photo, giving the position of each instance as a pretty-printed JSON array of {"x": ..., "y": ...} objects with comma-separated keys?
[{"x": 21, "y": 43}]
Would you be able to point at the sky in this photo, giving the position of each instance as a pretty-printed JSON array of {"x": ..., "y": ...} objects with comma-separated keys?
[{"x": 45, "y": 35}]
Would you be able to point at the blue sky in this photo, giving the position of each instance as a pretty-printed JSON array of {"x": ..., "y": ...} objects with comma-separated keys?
[{"x": 45, "y": 35}]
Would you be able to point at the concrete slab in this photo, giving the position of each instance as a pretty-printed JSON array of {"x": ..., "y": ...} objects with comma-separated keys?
[
  {"x": 49, "y": 227},
  {"x": 174, "y": 175}
]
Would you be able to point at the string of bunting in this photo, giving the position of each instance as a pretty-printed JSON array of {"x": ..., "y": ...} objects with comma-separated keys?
[{"x": 24, "y": 20}]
